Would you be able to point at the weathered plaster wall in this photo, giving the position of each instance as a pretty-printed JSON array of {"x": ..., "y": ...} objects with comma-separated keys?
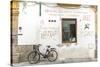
[
  {"x": 19, "y": 52},
  {"x": 73, "y": 51}
]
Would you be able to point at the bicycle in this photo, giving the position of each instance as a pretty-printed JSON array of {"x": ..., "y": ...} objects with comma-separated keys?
[{"x": 34, "y": 56}]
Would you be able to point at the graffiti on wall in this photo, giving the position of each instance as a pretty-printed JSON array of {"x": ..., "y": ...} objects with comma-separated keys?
[
  {"x": 86, "y": 26},
  {"x": 48, "y": 33}
]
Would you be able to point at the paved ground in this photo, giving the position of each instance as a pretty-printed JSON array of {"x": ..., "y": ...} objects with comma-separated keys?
[{"x": 45, "y": 61}]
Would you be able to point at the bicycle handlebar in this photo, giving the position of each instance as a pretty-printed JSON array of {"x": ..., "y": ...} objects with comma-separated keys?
[
  {"x": 39, "y": 44},
  {"x": 47, "y": 46}
]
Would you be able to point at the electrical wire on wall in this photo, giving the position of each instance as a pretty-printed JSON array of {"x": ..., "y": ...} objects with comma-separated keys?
[{"x": 26, "y": 4}]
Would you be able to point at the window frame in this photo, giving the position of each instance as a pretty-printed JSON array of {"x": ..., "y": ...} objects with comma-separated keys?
[{"x": 75, "y": 19}]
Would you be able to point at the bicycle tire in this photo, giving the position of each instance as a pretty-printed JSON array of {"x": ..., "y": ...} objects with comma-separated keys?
[
  {"x": 32, "y": 59},
  {"x": 50, "y": 59}
]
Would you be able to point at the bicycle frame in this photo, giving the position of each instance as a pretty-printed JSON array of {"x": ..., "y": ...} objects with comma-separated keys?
[
  {"x": 38, "y": 51},
  {"x": 46, "y": 53}
]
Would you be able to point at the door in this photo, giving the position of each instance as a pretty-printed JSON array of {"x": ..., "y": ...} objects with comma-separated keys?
[{"x": 28, "y": 24}]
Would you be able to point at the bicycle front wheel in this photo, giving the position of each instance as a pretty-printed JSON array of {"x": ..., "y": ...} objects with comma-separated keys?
[
  {"x": 33, "y": 57},
  {"x": 52, "y": 55}
]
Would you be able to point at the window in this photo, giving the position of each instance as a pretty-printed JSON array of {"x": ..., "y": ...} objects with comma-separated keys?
[{"x": 69, "y": 30}]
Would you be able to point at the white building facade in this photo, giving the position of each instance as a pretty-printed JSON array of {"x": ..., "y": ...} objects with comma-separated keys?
[{"x": 71, "y": 29}]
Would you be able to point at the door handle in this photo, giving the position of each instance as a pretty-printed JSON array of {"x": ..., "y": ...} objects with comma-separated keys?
[{"x": 20, "y": 34}]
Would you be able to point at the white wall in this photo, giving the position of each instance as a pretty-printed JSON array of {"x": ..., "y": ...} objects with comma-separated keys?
[
  {"x": 85, "y": 37},
  {"x": 51, "y": 33},
  {"x": 28, "y": 20},
  {"x": 58, "y": 38}
]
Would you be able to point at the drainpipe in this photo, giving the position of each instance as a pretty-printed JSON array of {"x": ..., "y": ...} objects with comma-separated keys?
[{"x": 40, "y": 9}]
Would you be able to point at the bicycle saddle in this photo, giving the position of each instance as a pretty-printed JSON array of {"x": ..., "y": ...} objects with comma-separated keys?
[
  {"x": 53, "y": 48},
  {"x": 39, "y": 44},
  {"x": 48, "y": 46}
]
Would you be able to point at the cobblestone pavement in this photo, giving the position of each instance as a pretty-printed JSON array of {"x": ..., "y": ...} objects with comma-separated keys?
[{"x": 45, "y": 61}]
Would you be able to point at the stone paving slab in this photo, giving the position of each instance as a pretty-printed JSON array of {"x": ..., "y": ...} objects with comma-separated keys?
[{"x": 46, "y": 62}]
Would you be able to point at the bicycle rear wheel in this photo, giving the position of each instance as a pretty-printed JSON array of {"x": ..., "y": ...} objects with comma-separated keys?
[
  {"x": 33, "y": 57},
  {"x": 52, "y": 55}
]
